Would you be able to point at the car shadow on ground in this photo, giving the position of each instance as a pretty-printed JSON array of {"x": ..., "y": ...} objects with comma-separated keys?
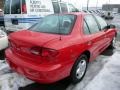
[
  {"x": 108, "y": 52},
  {"x": 2, "y": 55},
  {"x": 61, "y": 85}
]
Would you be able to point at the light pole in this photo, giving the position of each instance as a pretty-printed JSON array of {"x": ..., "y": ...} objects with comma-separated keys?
[
  {"x": 109, "y": 1},
  {"x": 87, "y": 4}
]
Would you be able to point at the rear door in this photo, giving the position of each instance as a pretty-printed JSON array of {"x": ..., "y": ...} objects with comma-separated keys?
[
  {"x": 108, "y": 33},
  {"x": 96, "y": 38}
]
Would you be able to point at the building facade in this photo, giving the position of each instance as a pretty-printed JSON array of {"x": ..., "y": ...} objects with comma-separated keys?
[{"x": 111, "y": 7}]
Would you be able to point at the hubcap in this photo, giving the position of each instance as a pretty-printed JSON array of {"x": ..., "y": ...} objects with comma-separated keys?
[{"x": 81, "y": 69}]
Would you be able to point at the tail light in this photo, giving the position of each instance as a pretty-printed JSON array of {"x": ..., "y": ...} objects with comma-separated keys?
[
  {"x": 49, "y": 52},
  {"x": 36, "y": 50},
  {"x": 44, "y": 52},
  {"x": 24, "y": 9}
]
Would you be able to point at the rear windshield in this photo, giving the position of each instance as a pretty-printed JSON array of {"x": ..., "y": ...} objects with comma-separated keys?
[
  {"x": 7, "y": 7},
  {"x": 55, "y": 24},
  {"x": 16, "y": 7}
]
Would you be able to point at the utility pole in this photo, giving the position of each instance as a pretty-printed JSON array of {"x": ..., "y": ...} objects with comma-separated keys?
[
  {"x": 109, "y": 5},
  {"x": 96, "y": 4},
  {"x": 87, "y": 4}
]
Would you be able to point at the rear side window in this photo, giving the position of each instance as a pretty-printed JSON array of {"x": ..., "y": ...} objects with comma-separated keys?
[
  {"x": 92, "y": 24},
  {"x": 16, "y": 7},
  {"x": 86, "y": 29},
  {"x": 7, "y": 7},
  {"x": 56, "y": 7},
  {"x": 63, "y": 7}
]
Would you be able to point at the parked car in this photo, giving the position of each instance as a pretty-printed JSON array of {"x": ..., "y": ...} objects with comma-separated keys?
[
  {"x": 59, "y": 46},
  {"x": 86, "y": 11},
  {"x": 3, "y": 40},
  {"x": 108, "y": 15}
]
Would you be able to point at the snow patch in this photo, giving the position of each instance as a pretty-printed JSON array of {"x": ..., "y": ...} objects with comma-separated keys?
[
  {"x": 10, "y": 80},
  {"x": 109, "y": 77}
]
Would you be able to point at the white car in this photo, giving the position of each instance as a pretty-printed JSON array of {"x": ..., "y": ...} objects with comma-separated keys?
[{"x": 3, "y": 40}]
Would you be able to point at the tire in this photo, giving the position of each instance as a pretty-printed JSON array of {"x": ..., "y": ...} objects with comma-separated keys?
[{"x": 77, "y": 75}]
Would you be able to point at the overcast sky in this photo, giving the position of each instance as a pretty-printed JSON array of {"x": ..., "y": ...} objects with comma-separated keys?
[{"x": 92, "y": 3}]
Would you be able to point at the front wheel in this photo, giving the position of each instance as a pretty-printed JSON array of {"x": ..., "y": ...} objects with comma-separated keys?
[{"x": 79, "y": 69}]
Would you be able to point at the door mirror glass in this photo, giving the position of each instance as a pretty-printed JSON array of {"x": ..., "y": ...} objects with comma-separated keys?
[{"x": 110, "y": 26}]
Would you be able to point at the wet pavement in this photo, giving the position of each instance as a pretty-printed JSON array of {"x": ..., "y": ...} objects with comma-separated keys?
[{"x": 61, "y": 85}]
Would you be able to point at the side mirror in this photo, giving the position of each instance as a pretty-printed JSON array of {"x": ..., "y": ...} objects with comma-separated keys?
[{"x": 110, "y": 26}]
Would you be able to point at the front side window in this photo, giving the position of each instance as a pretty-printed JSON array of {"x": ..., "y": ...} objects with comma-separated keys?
[
  {"x": 56, "y": 7},
  {"x": 16, "y": 7},
  {"x": 55, "y": 24},
  {"x": 7, "y": 7},
  {"x": 92, "y": 24},
  {"x": 63, "y": 7},
  {"x": 101, "y": 21}
]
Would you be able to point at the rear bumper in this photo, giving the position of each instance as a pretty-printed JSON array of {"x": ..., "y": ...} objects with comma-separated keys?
[
  {"x": 37, "y": 72},
  {"x": 3, "y": 43}
]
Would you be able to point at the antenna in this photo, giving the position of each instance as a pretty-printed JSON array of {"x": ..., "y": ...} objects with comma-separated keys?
[{"x": 59, "y": 26}]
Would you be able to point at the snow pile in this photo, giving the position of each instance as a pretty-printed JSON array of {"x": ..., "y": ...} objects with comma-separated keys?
[
  {"x": 10, "y": 80},
  {"x": 109, "y": 77},
  {"x": 117, "y": 45}
]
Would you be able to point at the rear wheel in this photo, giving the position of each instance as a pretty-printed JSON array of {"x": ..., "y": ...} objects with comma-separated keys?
[{"x": 79, "y": 69}]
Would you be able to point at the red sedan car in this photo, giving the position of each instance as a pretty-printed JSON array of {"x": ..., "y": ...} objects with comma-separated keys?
[{"x": 59, "y": 46}]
